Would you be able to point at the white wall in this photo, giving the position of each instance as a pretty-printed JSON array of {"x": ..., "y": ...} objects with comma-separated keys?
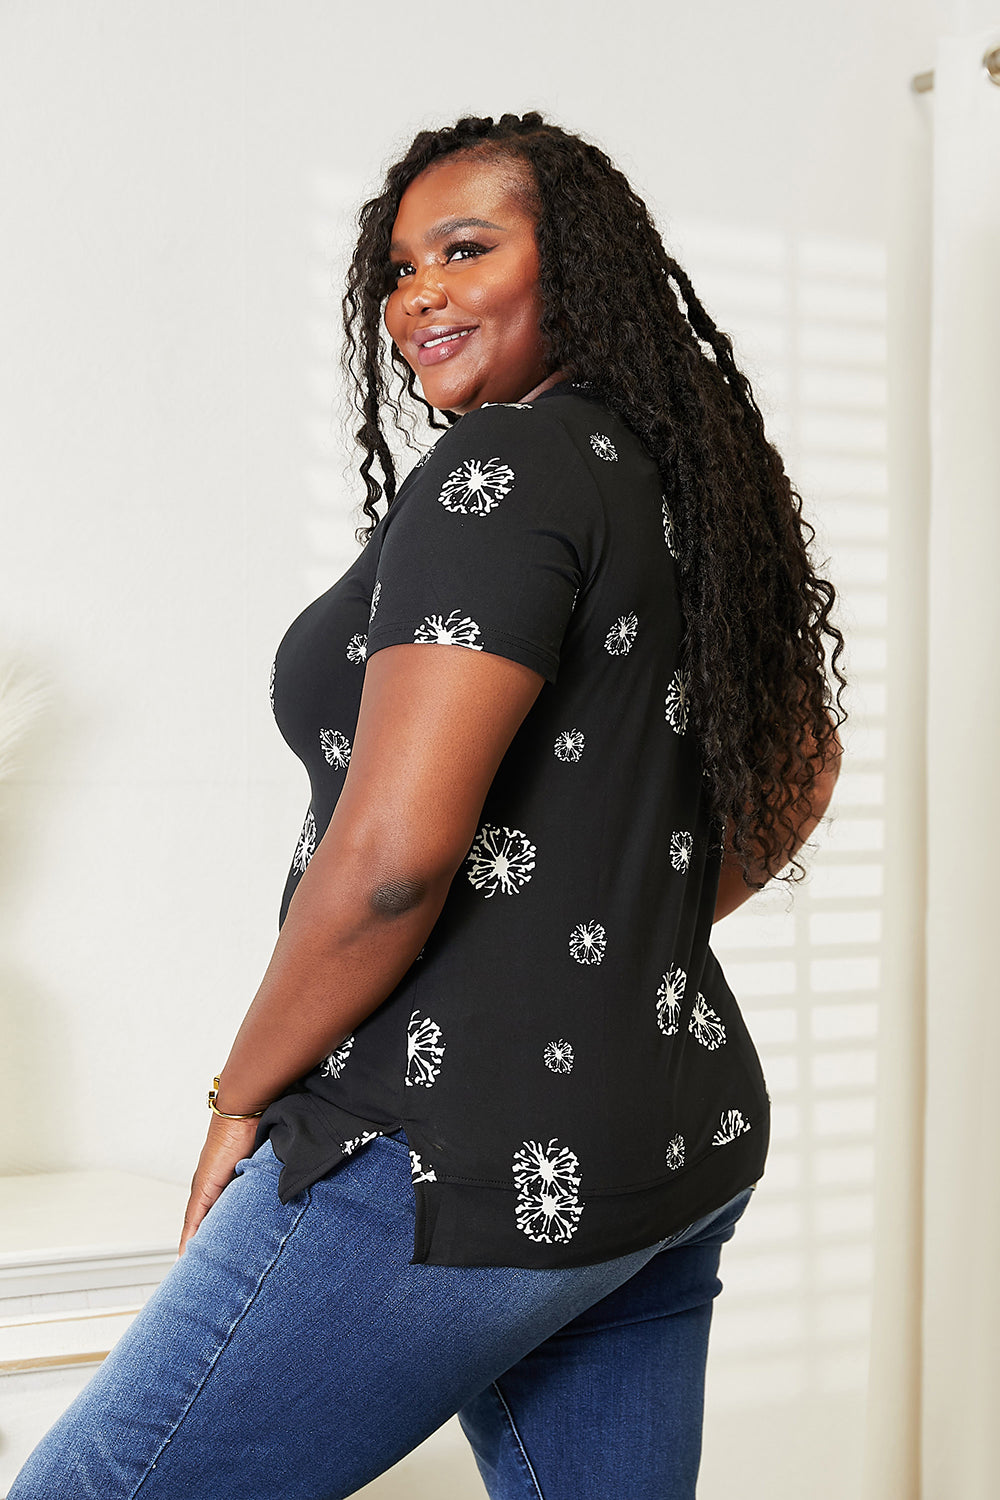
[{"x": 177, "y": 182}]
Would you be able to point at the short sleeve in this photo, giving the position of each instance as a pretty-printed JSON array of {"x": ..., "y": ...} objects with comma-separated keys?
[{"x": 496, "y": 533}]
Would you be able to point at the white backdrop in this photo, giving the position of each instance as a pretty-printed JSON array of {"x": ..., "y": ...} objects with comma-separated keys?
[
  {"x": 178, "y": 181},
  {"x": 961, "y": 1384}
]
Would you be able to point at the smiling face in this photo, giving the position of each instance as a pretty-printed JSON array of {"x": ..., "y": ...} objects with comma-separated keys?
[{"x": 465, "y": 306}]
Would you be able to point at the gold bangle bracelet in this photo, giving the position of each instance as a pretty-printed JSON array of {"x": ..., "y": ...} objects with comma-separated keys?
[{"x": 213, "y": 1094}]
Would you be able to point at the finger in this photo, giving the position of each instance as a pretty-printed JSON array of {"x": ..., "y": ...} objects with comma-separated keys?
[
  {"x": 228, "y": 1144},
  {"x": 198, "y": 1205}
]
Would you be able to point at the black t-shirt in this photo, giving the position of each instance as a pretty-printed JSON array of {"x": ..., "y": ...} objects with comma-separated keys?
[{"x": 569, "y": 1064}]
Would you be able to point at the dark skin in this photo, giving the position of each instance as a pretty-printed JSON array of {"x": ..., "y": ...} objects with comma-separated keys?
[
  {"x": 733, "y": 889},
  {"x": 434, "y": 724},
  {"x": 481, "y": 277}
]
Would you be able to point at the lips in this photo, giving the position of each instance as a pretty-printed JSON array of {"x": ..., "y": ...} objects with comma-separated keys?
[
  {"x": 435, "y": 345},
  {"x": 442, "y": 330}
]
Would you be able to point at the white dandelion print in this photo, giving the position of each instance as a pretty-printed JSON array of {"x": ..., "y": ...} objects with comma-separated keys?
[
  {"x": 418, "y": 1172},
  {"x": 734, "y": 1123},
  {"x": 559, "y": 1057},
  {"x": 424, "y": 1051},
  {"x": 621, "y": 635},
  {"x": 548, "y": 1217},
  {"x": 587, "y": 942},
  {"x": 357, "y": 648},
  {"x": 336, "y": 748},
  {"x": 334, "y": 1065},
  {"x": 706, "y": 1025},
  {"x": 456, "y": 630},
  {"x": 476, "y": 487},
  {"x": 375, "y": 593},
  {"x": 553, "y": 1165},
  {"x": 306, "y": 846},
  {"x": 547, "y": 1208},
  {"x": 568, "y": 745},
  {"x": 668, "y": 1000},
  {"x": 668, "y": 529},
  {"x": 358, "y": 1140},
  {"x": 501, "y": 859},
  {"x": 678, "y": 700},
  {"x": 675, "y": 1153},
  {"x": 604, "y": 447},
  {"x": 681, "y": 845},
  {"x": 270, "y": 685}
]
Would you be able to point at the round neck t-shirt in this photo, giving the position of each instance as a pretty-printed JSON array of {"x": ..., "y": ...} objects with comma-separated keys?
[{"x": 568, "y": 1062}]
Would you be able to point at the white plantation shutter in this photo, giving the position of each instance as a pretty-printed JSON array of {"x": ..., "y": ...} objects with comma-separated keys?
[{"x": 791, "y": 1334}]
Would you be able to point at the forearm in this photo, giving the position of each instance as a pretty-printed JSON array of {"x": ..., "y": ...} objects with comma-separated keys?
[{"x": 342, "y": 949}]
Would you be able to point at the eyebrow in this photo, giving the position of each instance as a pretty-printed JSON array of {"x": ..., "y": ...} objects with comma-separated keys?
[{"x": 446, "y": 227}]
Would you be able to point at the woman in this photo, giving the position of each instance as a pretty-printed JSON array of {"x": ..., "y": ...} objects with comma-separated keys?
[{"x": 494, "y": 1110}]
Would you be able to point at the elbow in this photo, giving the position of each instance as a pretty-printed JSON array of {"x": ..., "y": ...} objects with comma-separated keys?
[
  {"x": 825, "y": 783},
  {"x": 395, "y": 886},
  {"x": 836, "y": 755},
  {"x": 392, "y": 871},
  {"x": 398, "y": 895},
  {"x": 831, "y": 768}
]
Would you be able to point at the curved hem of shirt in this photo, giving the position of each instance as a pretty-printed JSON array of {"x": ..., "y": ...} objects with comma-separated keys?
[
  {"x": 308, "y": 1123},
  {"x": 513, "y": 647},
  {"x": 461, "y": 1225}
]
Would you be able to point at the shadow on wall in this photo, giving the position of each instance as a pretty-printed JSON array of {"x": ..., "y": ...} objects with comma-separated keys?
[
  {"x": 332, "y": 485},
  {"x": 27, "y": 751}
]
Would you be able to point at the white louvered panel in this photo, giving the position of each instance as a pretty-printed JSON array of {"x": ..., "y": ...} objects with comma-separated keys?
[{"x": 809, "y": 328}]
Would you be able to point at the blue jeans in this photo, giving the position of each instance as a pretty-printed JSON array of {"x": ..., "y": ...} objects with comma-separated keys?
[{"x": 293, "y": 1352}]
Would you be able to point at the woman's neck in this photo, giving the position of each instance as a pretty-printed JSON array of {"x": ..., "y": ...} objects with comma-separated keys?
[{"x": 552, "y": 380}]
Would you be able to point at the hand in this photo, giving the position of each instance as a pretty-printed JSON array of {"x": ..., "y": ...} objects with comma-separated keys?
[{"x": 229, "y": 1141}]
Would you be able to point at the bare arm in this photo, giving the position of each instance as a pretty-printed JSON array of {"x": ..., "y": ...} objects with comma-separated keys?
[
  {"x": 733, "y": 889},
  {"x": 433, "y": 726}
]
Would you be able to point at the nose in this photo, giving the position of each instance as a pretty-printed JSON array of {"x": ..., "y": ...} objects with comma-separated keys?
[{"x": 423, "y": 290}]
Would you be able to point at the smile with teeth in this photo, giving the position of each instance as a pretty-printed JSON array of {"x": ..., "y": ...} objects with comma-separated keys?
[{"x": 446, "y": 338}]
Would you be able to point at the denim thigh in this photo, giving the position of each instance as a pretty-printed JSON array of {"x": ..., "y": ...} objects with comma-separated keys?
[
  {"x": 612, "y": 1404},
  {"x": 294, "y": 1352}
]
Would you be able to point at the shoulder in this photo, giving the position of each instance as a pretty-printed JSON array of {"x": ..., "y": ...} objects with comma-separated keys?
[
  {"x": 502, "y": 446},
  {"x": 566, "y": 447},
  {"x": 527, "y": 427},
  {"x": 568, "y": 426},
  {"x": 602, "y": 437}
]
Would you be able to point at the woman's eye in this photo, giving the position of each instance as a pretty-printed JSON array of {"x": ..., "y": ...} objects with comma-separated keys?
[
  {"x": 464, "y": 248},
  {"x": 468, "y": 246}
]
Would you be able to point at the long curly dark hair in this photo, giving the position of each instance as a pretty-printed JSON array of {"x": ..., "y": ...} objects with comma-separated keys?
[{"x": 755, "y": 611}]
